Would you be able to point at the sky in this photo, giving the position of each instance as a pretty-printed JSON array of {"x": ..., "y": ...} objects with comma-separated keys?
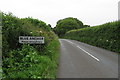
[{"x": 90, "y": 12}]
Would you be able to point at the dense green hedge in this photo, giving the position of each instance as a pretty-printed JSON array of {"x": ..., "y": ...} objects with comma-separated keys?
[
  {"x": 106, "y": 36},
  {"x": 0, "y": 54},
  {"x": 28, "y": 60}
]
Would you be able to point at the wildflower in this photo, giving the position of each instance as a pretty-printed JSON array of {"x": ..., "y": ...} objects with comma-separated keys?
[{"x": 40, "y": 31}]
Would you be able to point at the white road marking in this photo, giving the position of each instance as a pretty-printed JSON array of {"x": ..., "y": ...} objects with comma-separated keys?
[
  {"x": 84, "y": 51},
  {"x": 70, "y": 42},
  {"x": 89, "y": 54}
]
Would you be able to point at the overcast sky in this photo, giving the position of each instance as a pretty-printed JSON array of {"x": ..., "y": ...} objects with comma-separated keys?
[{"x": 90, "y": 12}]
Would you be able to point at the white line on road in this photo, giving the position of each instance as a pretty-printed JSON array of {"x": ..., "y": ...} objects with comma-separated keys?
[
  {"x": 85, "y": 51},
  {"x": 69, "y": 41},
  {"x": 89, "y": 54}
]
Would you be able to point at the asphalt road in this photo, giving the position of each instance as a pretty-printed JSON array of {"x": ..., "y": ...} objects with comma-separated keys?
[{"x": 80, "y": 60}]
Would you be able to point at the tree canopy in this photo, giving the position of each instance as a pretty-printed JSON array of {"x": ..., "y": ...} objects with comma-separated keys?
[{"x": 67, "y": 24}]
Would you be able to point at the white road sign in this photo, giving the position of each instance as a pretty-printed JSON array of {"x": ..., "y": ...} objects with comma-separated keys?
[{"x": 31, "y": 39}]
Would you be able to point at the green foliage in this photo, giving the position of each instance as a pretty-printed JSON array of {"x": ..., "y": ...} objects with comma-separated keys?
[
  {"x": 0, "y": 45},
  {"x": 25, "y": 63},
  {"x": 37, "y": 23},
  {"x": 28, "y": 61},
  {"x": 86, "y": 26},
  {"x": 12, "y": 29},
  {"x": 67, "y": 24},
  {"x": 106, "y": 36}
]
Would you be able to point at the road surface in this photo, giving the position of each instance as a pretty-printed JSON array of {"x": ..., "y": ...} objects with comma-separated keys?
[{"x": 80, "y": 60}]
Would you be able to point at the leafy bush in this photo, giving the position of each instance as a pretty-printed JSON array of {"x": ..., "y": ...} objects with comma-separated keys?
[
  {"x": 28, "y": 61},
  {"x": 106, "y": 36},
  {"x": 37, "y": 23}
]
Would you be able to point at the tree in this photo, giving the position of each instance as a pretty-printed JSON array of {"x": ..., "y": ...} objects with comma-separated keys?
[
  {"x": 49, "y": 26},
  {"x": 86, "y": 25},
  {"x": 67, "y": 24}
]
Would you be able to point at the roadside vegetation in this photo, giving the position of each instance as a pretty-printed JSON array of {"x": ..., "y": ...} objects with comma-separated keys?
[
  {"x": 0, "y": 46},
  {"x": 41, "y": 60},
  {"x": 28, "y": 60},
  {"x": 68, "y": 24},
  {"x": 106, "y": 35}
]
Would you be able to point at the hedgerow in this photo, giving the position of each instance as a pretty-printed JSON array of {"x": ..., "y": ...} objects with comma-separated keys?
[
  {"x": 106, "y": 36},
  {"x": 28, "y": 60}
]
